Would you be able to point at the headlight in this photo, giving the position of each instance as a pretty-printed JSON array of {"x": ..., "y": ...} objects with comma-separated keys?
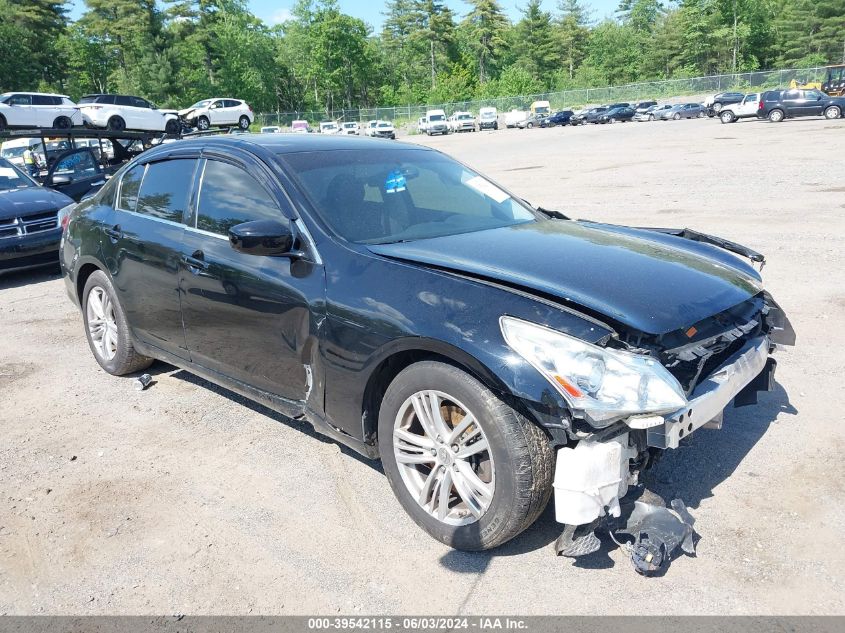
[{"x": 606, "y": 384}]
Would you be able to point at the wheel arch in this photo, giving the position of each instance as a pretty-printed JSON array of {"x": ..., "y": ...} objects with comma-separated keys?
[{"x": 401, "y": 354}]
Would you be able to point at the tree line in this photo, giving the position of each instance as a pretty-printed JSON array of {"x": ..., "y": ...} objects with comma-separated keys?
[{"x": 175, "y": 52}]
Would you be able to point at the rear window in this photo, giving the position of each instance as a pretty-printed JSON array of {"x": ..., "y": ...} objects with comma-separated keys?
[
  {"x": 165, "y": 188},
  {"x": 129, "y": 186}
]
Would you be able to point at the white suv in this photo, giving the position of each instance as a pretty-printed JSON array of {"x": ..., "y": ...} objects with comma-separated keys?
[
  {"x": 218, "y": 111},
  {"x": 745, "y": 109},
  {"x": 124, "y": 112},
  {"x": 37, "y": 110}
]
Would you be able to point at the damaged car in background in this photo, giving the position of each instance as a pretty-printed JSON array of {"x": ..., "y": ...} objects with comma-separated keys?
[{"x": 488, "y": 352}]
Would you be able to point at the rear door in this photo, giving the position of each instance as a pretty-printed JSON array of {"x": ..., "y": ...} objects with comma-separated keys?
[
  {"x": 247, "y": 317},
  {"x": 144, "y": 241}
]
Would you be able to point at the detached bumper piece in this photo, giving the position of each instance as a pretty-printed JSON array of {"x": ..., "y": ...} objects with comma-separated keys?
[{"x": 657, "y": 532}]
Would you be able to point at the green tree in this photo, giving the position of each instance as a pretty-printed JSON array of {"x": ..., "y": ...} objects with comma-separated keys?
[
  {"x": 534, "y": 45},
  {"x": 809, "y": 32},
  {"x": 434, "y": 28},
  {"x": 485, "y": 26},
  {"x": 572, "y": 34}
]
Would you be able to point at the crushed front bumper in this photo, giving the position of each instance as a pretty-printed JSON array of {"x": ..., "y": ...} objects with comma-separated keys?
[
  {"x": 592, "y": 477},
  {"x": 709, "y": 398}
]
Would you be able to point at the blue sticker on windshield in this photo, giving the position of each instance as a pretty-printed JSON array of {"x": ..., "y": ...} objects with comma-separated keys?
[{"x": 395, "y": 182}]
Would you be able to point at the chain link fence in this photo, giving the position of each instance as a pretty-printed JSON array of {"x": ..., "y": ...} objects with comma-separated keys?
[{"x": 738, "y": 82}]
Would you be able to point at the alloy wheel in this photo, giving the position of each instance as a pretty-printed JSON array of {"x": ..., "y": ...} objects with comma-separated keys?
[
  {"x": 443, "y": 457},
  {"x": 101, "y": 323}
]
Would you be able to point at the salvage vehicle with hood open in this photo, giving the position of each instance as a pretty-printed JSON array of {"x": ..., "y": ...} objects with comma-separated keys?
[{"x": 406, "y": 306}]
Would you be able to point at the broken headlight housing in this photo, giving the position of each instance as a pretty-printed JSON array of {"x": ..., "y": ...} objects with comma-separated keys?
[{"x": 606, "y": 384}]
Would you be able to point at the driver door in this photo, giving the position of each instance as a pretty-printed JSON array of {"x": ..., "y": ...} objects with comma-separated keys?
[
  {"x": 217, "y": 113},
  {"x": 247, "y": 317},
  {"x": 75, "y": 173}
]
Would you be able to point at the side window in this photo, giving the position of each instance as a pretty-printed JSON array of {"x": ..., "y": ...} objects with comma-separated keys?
[
  {"x": 41, "y": 100},
  {"x": 139, "y": 103},
  {"x": 129, "y": 186},
  {"x": 230, "y": 196},
  {"x": 19, "y": 100},
  {"x": 123, "y": 101},
  {"x": 107, "y": 99},
  {"x": 165, "y": 190},
  {"x": 77, "y": 165},
  {"x": 812, "y": 95}
]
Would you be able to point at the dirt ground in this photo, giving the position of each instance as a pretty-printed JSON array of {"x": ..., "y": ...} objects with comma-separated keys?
[{"x": 186, "y": 499}]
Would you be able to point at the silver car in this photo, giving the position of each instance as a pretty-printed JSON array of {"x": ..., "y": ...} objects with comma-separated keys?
[{"x": 683, "y": 111}]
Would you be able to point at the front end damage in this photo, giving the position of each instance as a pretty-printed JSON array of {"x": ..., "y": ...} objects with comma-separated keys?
[{"x": 723, "y": 359}]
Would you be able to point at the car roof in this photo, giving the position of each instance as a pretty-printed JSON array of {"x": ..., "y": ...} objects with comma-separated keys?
[
  {"x": 26, "y": 92},
  {"x": 293, "y": 143}
]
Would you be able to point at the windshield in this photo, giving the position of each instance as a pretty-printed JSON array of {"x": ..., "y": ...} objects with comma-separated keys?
[
  {"x": 201, "y": 104},
  {"x": 13, "y": 152},
  {"x": 384, "y": 124},
  {"x": 464, "y": 117},
  {"x": 401, "y": 195},
  {"x": 12, "y": 178},
  {"x": 436, "y": 117}
]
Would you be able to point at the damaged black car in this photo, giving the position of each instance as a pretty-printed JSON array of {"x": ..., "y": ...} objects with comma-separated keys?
[{"x": 488, "y": 352}]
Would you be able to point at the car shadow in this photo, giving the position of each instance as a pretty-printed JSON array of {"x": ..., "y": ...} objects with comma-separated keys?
[
  {"x": 160, "y": 368},
  {"x": 29, "y": 277},
  {"x": 690, "y": 473},
  {"x": 709, "y": 457}
]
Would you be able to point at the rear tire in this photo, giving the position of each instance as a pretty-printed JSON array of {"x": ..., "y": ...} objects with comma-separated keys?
[
  {"x": 833, "y": 112},
  {"x": 776, "y": 116},
  {"x": 677, "y": 116},
  {"x": 116, "y": 124},
  {"x": 243, "y": 122},
  {"x": 62, "y": 123},
  {"x": 515, "y": 467},
  {"x": 107, "y": 329},
  {"x": 717, "y": 107},
  {"x": 2, "y": 122}
]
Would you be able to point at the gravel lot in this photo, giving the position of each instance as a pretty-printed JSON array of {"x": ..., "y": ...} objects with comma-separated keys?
[{"x": 186, "y": 499}]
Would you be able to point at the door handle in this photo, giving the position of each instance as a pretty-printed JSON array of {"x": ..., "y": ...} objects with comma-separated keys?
[
  {"x": 114, "y": 233},
  {"x": 196, "y": 262}
]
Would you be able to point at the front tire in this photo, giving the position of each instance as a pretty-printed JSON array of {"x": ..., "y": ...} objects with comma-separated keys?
[
  {"x": 203, "y": 123},
  {"x": 171, "y": 127},
  {"x": 677, "y": 117},
  {"x": 833, "y": 112},
  {"x": 468, "y": 469},
  {"x": 107, "y": 329},
  {"x": 726, "y": 117}
]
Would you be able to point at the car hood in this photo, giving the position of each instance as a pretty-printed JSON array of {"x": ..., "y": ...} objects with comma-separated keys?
[
  {"x": 29, "y": 201},
  {"x": 652, "y": 282}
]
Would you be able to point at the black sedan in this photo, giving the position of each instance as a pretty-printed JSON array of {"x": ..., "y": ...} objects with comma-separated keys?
[
  {"x": 588, "y": 116},
  {"x": 414, "y": 310},
  {"x": 562, "y": 117},
  {"x": 617, "y": 114},
  {"x": 29, "y": 220}
]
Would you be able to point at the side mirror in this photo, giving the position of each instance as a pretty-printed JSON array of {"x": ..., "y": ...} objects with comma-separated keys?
[{"x": 262, "y": 237}]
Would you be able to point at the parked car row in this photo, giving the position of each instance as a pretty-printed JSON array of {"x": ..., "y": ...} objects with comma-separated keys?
[{"x": 32, "y": 110}]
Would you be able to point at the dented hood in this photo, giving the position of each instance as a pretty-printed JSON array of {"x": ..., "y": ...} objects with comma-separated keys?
[{"x": 652, "y": 282}]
